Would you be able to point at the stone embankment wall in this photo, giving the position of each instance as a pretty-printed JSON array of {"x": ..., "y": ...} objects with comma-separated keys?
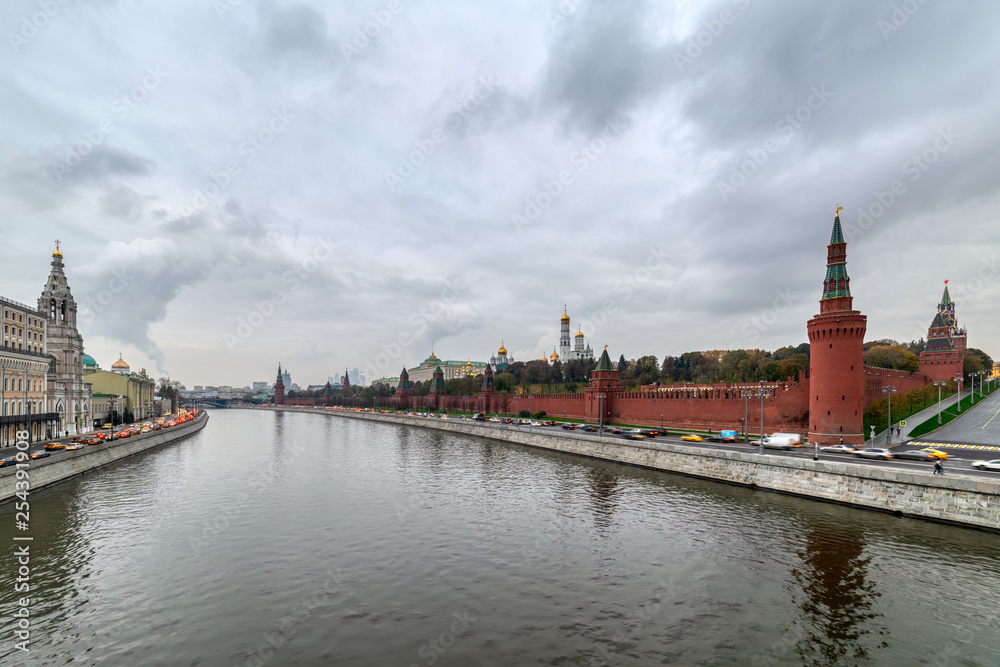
[
  {"x": 953, "y": 499},
  {"x": 65, "y": 465}
]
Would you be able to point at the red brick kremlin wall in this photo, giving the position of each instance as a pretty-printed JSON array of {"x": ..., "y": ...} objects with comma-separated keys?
[{"x": 903, "y": 381}]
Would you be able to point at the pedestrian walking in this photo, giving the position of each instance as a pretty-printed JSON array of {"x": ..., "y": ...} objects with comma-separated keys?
[
  {"x": 899, "y": 429},
  {"x": 938, "y": 468}
]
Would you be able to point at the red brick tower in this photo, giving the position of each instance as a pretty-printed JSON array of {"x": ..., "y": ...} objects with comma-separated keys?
[
  {"x": 836, "y": 354},
  {"x": 487, "y": 391},
  {"x": 438, "y": 389},
  {"x": 279, "y": 388},
  {"x": 944, "y": 356},
  {"x": 404, "y": 390},
  {"x": 603, "y": 386}
]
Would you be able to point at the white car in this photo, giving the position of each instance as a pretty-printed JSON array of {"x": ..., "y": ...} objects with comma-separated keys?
[
  {"x": 884, "y": 454},
  {"x": 987, "y": 465},
  {"x": 840, "y": 449}
]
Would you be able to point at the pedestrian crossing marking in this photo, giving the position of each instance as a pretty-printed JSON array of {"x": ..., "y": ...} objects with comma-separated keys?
[{"x": 952, "y": 445}]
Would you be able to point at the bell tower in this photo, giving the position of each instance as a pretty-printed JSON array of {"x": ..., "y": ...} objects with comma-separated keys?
[{"x": 836, "y": 354}]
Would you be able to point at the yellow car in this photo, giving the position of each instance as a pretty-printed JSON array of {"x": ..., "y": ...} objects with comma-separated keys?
[
  {"x": 55, "y": 445},
  {"x": 70, "y": 448},
  {"x": 935, "y": 452},
  {"x": 691, "y": 437}
]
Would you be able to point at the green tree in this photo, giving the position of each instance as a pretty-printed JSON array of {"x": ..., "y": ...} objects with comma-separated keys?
[{"x": 504, "y": 382}]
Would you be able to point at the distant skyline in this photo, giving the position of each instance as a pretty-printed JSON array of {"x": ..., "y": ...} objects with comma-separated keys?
[{"x": 241, "y": 183}]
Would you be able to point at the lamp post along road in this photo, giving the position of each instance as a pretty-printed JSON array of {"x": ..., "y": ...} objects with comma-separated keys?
[
  {"x": 939, "y": 384},
  {"x": 889, "y": 390},
  {"x": 958, "y": 382},
  {"x": 763, "y": 395}
]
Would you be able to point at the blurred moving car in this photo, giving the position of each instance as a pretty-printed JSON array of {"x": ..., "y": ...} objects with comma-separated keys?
[
  {"x": 692, "y": 437},
  {"x": 840, "y": 449},
  {"x": 915, "y": 455},
  {"x": 588, "y": 428},
  {"x": 937, "y": 453},
  {"x": 51, "y": 446},
  {"x": 987, "y": 465},
  {"x": 874, "y": 453},
  {"x": 721, "y": 438},
  {"x": 40, "y": 454}
]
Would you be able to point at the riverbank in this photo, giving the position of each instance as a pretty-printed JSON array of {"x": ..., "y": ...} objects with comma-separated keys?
[
  {"x": 963, "y": 501},
  {"x": 66, "y": 465}
]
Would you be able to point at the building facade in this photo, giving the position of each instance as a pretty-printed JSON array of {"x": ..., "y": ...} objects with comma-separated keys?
[
  {"x": 121, "y": 390},
  {"x": 68, "y": 394},
  {"x": 501, "y": 360},
  {"x": 24, "y": 366},
  {"x": 449, "y": 369}
]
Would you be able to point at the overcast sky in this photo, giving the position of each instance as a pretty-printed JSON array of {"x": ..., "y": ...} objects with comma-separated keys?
[{"x": 241, "y": 183}]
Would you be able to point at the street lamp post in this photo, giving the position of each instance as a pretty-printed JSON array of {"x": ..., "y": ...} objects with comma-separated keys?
[
  {"x": 763, "y": 395},
  {"x": 958, "y": 382},
  {"x": 939, "y": 384},
  {"x": 889, "y": 390},
  {"x": 746, "y": 415},
  {"x": 600, "y": 415}
]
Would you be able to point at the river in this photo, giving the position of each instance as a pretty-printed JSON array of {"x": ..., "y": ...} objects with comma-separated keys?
[{"x": 296, "y": 539}]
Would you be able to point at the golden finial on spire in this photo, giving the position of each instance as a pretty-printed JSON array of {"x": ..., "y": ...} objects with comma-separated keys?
[
  {"x": 839, "y": 209},
  {"x": 57, "y": 252}
]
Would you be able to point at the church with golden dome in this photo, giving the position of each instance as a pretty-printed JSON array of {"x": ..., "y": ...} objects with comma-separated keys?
[
  {"x": 579, "y": 350},
  {"x": 501, "y": 360}
]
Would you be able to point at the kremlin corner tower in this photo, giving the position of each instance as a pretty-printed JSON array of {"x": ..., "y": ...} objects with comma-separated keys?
[{"x": 836, "y": 355}]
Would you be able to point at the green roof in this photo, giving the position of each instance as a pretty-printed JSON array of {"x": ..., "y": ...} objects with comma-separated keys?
[
  {"x": 946, "y": 299},
  {"x": 605, "y": 362},
  {"x": 834, "y": 273},
  {"x": 90, "y": 361},
  {"x": 838, "y": 235}
]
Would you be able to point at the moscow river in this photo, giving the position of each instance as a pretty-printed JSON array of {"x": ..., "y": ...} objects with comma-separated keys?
[{"x": 297, "y": 539}]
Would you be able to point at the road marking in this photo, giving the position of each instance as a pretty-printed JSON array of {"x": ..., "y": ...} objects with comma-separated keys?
[
  {"x": 951, "y": 445},
  {"x": 991, "y": 419}
]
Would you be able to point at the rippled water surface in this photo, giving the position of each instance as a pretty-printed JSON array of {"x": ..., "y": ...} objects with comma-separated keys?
[{"x": 298, "y": 539}]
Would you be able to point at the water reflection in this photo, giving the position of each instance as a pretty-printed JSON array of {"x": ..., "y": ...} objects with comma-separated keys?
[
  {"x": 603, "y": 491},
  {"x": 839, "y": 596}
]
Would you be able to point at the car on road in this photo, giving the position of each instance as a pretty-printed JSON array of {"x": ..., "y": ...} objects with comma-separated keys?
[
  {"x": 987, "y": 465},
  {"x": 51, "y": 446},
  {"x": 634, "y": 436},
  {"x": 614, "y": 429},
  {"x": 9, "y": 461},
  {"x": 70, "y": 448},
  {"x": 549, "y": 423},
  {"x": 840, "y": 449},
  {"x": 721, "y": 438},
  {"x": 935, "y": 452},
  {"x": 692, "y": 437},
  {"x": 569, "y": 427},
  {"x": 588, "y": 428},
  {"x": 40, "y": 454},
  {"x": 874, "y": 453},
  {"x": 915, "y": 455}
]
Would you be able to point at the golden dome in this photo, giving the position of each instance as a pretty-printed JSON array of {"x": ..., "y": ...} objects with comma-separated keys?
[
  {"x": 120, "y": 364},
  {"x": 565, "y": 317},
  {"x": 579, "y": 333},
  {"x": 555, "y": 357},
  {"x": 502, "y": 351},
  {"x": 57, "y": 252}
]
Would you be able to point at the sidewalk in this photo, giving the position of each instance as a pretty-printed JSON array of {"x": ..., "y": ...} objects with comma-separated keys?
[{"x": 914, "y": 421}]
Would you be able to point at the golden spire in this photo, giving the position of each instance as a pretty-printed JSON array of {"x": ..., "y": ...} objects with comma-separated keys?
[
  {"x": 565, "y": 316},
  {"x": 57, "y": 252}
]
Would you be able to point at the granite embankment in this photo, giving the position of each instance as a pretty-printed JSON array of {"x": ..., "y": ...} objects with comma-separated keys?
[
  {"x": 953, "y": 499},
  {"x": 65, "y": 465}
]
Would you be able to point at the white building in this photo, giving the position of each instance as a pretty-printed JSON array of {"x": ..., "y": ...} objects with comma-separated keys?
[{"x": 579, "y": 350}]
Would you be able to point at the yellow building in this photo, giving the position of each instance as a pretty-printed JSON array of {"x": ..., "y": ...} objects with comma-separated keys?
[
  {"x": 23, "y": 368},
  {"x": 137, "y": 390}
]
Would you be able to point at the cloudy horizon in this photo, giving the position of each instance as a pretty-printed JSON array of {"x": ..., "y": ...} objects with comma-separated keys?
[{"x": 238, "y": 183}]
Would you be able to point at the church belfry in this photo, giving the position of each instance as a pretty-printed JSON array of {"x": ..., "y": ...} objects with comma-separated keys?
[{"x": 68, "y": 395}]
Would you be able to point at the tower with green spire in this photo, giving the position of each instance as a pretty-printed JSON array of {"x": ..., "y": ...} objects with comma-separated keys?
[
  {"x": 836, "y": 354},
  {"x": 943, "y": 357}
]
